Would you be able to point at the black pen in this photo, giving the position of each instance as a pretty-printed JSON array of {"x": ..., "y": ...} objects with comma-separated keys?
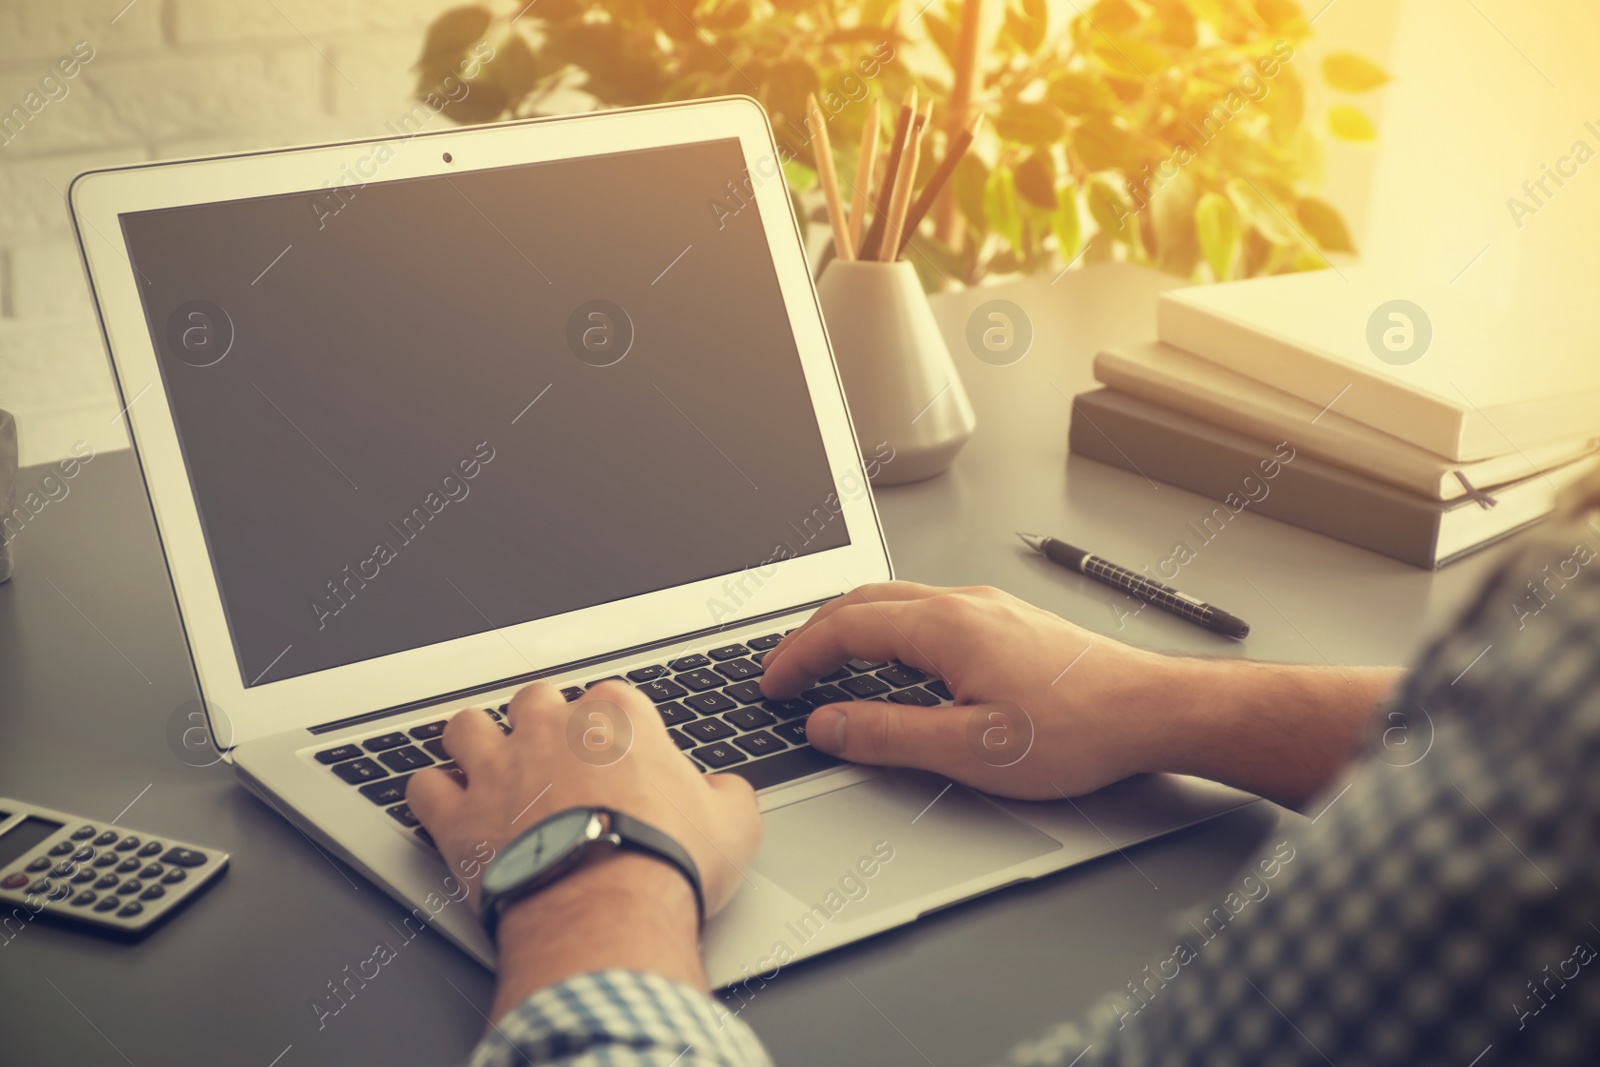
[{"x": 1134, "y": 584}]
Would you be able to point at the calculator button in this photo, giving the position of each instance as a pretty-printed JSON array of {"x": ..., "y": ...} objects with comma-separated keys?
[
  {"x": 177, "y": 874},
  {"x": 107, "y": 838},
  {"x": 402, "y": 814},
  {"x": 128, "y": 866},
  {"x": 83, "y": 833},
  {"x": 151, "y": 848},
  {"x": 338, "y": 755},
  {"x": 63, "y": 847},
  {"x": 105, "y": 859},
  {"x": 85, "y": 875},
  {"x": 40, "y": 864},
  {"x": 132, "y": 885},
  {"x": 391, "y": 791},
  {"x": 130, "y": 909},
  {"x": 60, "y": 892},
  {"x": 128, "y": 844},
  {"x": 84, "y": 854},
  {"x": 106, "y": 881},
  {"x": 14, "y": 881},
  {"x": 359, "y": 770},
  {"x": 107, "y": 903},
  {"x": 427, "y": 730},
  {"x": 88, "y": 896},
  {"x": 154, "y": 870},
  {"x": 64, "y": 869},
  {"x": 184, "y": 857},
  {"x": 152, "y": 892},
  {"x": 42, "y": 887},
  {"x": 405, "y": 759}
]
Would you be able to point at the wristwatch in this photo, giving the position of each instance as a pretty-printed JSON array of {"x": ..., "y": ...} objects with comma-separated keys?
[{"x": 548, "y": 850}]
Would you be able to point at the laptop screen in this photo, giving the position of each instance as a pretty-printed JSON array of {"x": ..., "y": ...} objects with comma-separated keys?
[{"x": 412, "y": 411}]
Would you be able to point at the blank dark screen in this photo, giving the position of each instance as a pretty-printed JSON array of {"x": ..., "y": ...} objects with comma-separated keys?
[
  {"x": 403, "y": 422},
  {"x": 24, "y": 836}
]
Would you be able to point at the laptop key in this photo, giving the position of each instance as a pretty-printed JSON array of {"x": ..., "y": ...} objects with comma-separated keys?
[
  {"x": 700, "y": 680},
  {"x": 427, "y": 730},
  {"x": 749, "y": 718},
  {"x": 334, "y": 755},
  {"x": 572, "y": 693},
  {"x": 762, "y": 644},
  {"x": 792, "y": 732},
  {"x": 939, "y": 689},
  {"x": 674, "y": 713},
  {"x": 737, "y": 670},
  {"x": 787, "y": 709},
  {"x": 915, "y": 695},
  {"x": 360, "y": 770},
  {"x": 864, "y": 666},
  {"x": 435, "y": 747},
  {"x": 836, "y": 676},
  {"x": 385, "y": 741},
  {"x": 728, "y": 652},
  {"x": 644, "y": 674},
  {"x": 784, "y": 767},
  {"x": 825, "y": 694},
  {"x": 662, "y": 689},
  {"x": 710, "y": 703},
  {"x": 608, "y": 678},
  {"x": 708, "y": 729},
  {"x": 688, "y": 663},
  {"x": 389, "y": 791},
  {"x": 405, "y": 759},
  {"x": 746, "y": 692},
  {"x": 402, "y": 814},
  {"x": 863, "y": 686},
  {"x": 900, "y": 675},
  {"x": 760, "y": 743},
  {"x": 681, "y": 741},
  {"x": 717, "y": 756}
]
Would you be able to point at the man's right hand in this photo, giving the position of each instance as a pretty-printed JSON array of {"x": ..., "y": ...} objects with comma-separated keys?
[{"x": 1045, "y": 709}]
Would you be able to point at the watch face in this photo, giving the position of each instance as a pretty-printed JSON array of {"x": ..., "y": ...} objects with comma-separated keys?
[{"x": 551, "y": 841}]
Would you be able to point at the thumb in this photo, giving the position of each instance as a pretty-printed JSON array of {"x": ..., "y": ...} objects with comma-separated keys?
[{"x": 893, "y": 735}]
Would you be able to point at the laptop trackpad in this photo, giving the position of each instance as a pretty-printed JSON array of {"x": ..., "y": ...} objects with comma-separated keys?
[{"x": 916, "y": 833}]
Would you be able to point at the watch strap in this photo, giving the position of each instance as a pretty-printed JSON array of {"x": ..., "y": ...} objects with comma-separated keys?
[{"x": 642, "y": 837}]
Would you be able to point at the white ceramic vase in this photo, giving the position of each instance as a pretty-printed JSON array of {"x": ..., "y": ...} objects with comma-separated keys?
[{"x": 898, "y": 375}]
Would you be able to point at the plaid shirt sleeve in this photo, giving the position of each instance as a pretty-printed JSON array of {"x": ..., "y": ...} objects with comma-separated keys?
[
  {"x": 621, "y": 1019},
  {"x": 1444, "y": 905}
]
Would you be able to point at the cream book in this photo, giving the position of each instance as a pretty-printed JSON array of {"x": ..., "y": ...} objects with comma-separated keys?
[
  {"x": 1444, "y": 371},
  {"x": 1184, "y": 382}
]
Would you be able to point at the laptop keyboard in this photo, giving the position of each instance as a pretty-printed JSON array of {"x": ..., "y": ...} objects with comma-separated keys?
[{"x": 711, "y": 703}]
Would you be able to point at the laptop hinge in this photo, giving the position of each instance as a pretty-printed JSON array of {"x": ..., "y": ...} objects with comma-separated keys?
[{"x": 563, "y": 668}]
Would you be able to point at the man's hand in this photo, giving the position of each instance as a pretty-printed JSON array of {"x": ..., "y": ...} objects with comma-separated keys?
[
  {"x": 610, "y": 749},
  {"x": 1046, "y": 709}
]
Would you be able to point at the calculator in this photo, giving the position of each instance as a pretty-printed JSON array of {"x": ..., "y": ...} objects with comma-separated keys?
[{"x": 88, "y": 872}]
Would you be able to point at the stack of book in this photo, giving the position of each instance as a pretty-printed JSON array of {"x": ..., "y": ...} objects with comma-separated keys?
[{"x": 1319, "y": 400}]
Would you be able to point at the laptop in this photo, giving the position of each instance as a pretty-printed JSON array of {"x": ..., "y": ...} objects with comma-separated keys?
[{"x": 427, "y": 418}]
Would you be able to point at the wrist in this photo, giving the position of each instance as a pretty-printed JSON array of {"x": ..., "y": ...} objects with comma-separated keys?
[{"x": 619, "y": 909}]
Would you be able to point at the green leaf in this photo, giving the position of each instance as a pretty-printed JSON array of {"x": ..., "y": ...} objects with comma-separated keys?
[
  {"x": 1348, "y": 124},
  {"x": 451, "y": 34},
  {"x": 969, "y": 182},
  {"x": 1035, "y": 179},
  {"x": 1000, "y": 205},
  {"x": 1217, "y": 227},
  {"x": 1351, "y": 73},
  {"x": 1101, "y": 144},
  {"x": 1283, "y": 17},
  {"x": 879, "y": 12},
  {"x": 1026, "y": 25},
  {"x": 943, "y": 35},
  {"x": 1078, "y": 93},
  {"x": 1131, "y": 57},
  {"x": 1324, "y": 224},
  {"x": 1065, "y": 224},
  {"x": 726, "y": 16},
  {"x": 515, "y": 68},
  {"x": 1113, "y": 16},
  {"x": 1038, "y": 123},
  {"x": 1285, "y": 104},
  {"x": 1110, "y": 209}
]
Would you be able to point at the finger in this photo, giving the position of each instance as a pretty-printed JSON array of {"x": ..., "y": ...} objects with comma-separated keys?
[
  {"x": 890, "y": 735},
  {"x": 873, "y": 592},
  {"x": 530, "y": 702},
  {"x": 471, "y": 738},
  {"x": 873, "y": 631},
  {"x": 434, "y": 797}
]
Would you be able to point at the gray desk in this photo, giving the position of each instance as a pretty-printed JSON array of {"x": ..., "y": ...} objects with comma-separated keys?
[{"x": 92, "y": 668}]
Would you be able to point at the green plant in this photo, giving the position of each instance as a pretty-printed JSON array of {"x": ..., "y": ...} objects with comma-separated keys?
[{"x": 1167, "y": 132}]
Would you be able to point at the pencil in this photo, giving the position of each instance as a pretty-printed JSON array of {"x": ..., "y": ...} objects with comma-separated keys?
[
  {"x": 937, "y": 180},
  {"x": 843, "y": 246},
  {"x": 904, "y": 180},
  {"x": 872, "y": 244},
  {"x": 866, "y": 162}
]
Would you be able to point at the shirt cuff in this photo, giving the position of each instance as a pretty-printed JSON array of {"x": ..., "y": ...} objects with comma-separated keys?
[{"x": 619, "y": 1017}]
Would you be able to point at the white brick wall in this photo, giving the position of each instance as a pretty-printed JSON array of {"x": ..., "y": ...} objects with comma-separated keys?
[{"x": 169, "y": 78}]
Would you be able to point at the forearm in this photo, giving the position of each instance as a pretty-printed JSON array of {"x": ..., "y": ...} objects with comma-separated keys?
[
  {"x": 624, "y": 911},
  {"x": 1280, "y": 731}
]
